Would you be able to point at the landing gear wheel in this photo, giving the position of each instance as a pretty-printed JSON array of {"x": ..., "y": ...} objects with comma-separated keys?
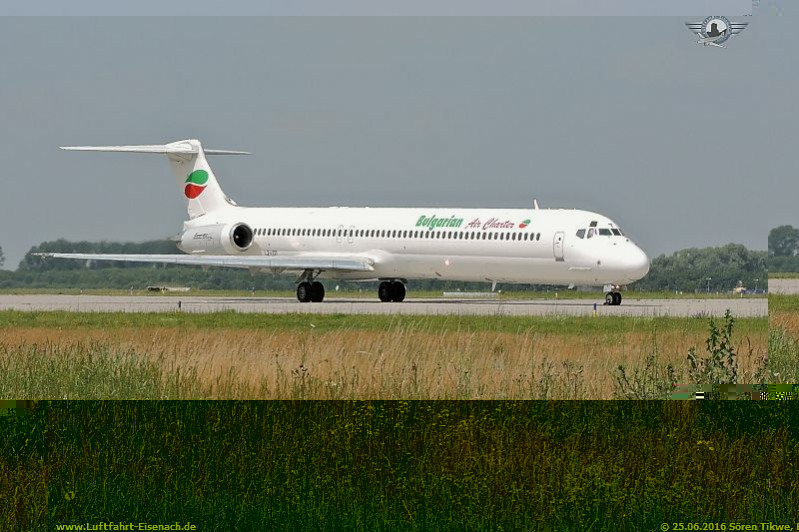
[
  {"x": 317, "y": 292},
  {"x": 617, "y": 298},
  {"x": 609, "y": 299},
  {"x": 385, "y": 292},
  {"x": 398, "y": 290},
  {"x": 304, "y": 292}
]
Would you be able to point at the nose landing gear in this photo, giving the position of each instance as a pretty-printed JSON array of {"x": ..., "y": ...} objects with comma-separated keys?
[{"x": 613, "y": 298}]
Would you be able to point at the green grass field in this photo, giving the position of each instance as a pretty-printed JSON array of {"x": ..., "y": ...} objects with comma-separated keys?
[
  {"x": 783, "y": 275},
  {"x": 399, "y": 465},
  {"x": 560, "y": 325},
  {"x": 783, "y": 304}
]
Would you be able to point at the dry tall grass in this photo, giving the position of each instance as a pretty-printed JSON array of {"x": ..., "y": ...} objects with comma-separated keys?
[
  {"x": 787, "y": 320},
  {"x": 784, "y": 338},
  {"x": 390, "y": 364}
]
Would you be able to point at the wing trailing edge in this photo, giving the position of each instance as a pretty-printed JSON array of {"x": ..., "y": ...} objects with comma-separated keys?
[{"x": 351, "y": 264}]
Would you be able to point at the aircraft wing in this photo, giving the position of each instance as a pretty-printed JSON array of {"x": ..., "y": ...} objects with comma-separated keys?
[{"x": 297, "y": 262}]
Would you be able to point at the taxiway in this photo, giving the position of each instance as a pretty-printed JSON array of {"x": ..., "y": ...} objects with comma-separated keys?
[
  {"x": 783, "y": 286},
  {"x": 739, "y": 307}
]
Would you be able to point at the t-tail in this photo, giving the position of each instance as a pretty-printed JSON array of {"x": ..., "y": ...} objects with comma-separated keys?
[{"x": 187, "y": 158}]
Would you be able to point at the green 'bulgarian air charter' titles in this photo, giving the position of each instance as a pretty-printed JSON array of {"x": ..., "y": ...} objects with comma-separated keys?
[{"x": 433, "y": 222}]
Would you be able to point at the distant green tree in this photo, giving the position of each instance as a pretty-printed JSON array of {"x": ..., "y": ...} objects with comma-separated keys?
[
  {"x": 688, "y": 269},
  {"x": 2, "y": 257},
  {"x": 783, "y": 241}
]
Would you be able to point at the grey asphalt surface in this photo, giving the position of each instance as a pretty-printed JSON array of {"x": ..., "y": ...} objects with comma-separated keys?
[
  {"x": 783, "y": 286},
  {"x": 747, "y": 307}
]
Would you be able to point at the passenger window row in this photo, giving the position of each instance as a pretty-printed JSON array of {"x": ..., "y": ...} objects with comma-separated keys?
[{"x": 382, "y": 233}]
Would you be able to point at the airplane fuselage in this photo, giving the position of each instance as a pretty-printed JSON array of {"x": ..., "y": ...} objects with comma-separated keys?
[{"x": 537, "y": 246}]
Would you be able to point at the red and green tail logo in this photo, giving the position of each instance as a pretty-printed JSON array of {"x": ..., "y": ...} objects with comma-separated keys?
[
  {"x": 524, "y": 224},
  {"x": 195, "y": 183}
]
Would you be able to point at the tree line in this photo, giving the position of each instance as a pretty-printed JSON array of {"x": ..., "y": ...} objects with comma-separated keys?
[
  {"x": 783, "y": 249},
  {"x": 720, "y": 269}
]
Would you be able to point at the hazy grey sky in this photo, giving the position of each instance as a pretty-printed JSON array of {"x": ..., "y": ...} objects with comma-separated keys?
[
  {"x": 682, "y": 145},
  {"x": 381, "y": 8}
]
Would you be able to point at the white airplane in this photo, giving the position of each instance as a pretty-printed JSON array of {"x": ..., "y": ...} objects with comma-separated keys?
[{"x": 537, "y": 246}]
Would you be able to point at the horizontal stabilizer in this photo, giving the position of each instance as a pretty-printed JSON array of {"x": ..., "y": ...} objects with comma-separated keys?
[{"x": 164, "y": 149}]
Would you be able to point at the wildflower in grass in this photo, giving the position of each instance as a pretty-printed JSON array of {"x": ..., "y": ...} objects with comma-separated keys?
[{"x": 708, "y": 443}]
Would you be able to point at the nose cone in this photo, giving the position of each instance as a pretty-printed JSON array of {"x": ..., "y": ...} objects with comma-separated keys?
[{"x": 637, "y": 263}]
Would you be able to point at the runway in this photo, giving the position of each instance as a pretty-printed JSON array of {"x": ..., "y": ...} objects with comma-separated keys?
[
  {"x": 747, "y": 307},
  {"x": 783, "y": 286}
]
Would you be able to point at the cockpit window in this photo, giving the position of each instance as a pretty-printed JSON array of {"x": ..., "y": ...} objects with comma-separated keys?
[{"x": 593, "y": 230}]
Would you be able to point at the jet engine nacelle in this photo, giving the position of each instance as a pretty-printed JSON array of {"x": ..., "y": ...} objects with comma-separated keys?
[{"x": 220, "y": 239}]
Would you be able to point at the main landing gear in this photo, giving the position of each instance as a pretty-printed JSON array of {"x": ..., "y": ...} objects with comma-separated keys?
[
  {"x": 391, "y": 291},
  {"x": 314, "y": 292},
  {"x": 309, "y": 290},
  {"x": 613, "y": 298}
]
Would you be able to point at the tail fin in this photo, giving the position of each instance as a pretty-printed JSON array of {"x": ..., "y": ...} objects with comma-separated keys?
[{"x": 189, "y": 165}]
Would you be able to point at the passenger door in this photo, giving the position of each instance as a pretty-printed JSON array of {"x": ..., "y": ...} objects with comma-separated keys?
[{"x": 557, "y": 246}]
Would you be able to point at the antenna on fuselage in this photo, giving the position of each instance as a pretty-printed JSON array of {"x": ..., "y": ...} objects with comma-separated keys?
[{"x": 535, "y": 204}]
